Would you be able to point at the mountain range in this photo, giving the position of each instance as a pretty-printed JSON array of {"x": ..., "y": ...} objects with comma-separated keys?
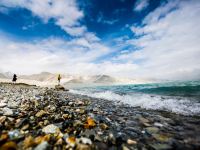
[{"x": 47, "y": 78}]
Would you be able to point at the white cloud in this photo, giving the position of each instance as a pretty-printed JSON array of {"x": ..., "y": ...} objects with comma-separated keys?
[
  {"x": 141, "y": 5},
  {"x": 65, "y": 12},
  {"x": 168, "y": 42}
]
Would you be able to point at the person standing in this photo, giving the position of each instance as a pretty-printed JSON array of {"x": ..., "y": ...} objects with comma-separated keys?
[
  {"x": 59, "y": 78},
  {"x": 14, "y": 78}
]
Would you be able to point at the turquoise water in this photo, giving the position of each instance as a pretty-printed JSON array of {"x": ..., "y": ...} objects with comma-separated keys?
[{"x": 177, "y": 97}]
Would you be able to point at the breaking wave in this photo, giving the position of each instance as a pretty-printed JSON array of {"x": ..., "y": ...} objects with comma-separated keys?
[{"x": 183, "y": 99}]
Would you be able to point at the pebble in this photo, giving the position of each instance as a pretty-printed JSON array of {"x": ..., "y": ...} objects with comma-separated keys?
[
  {"x": 51, "y": 129},
  {"x": 7, "y": 111},
  {"x": 43, "y": 146},
  {"x": 50, "y": 119}
]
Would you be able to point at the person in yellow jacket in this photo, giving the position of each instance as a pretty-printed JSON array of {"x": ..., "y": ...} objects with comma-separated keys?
[{"x": 59, "y": 78}]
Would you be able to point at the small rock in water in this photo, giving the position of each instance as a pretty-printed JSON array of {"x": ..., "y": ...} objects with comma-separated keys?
[{"x": 51, "y": 129}]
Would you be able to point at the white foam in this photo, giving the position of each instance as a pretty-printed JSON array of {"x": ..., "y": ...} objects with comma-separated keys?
[{"x": 172, "y": 104}]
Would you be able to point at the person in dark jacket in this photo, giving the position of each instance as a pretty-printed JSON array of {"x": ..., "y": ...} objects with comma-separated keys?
[
  {"x": 59, "y": 78},
  {"x": 14, "y": 78}
]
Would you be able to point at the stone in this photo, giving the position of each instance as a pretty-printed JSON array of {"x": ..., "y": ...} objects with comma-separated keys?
[
  {"x": 51, "y": 129},
  {"x": 84, "y": 140},
  {"x": 9, "y": 146},
  {"x": 124, "y": 147},
  {"x": 131, "y": 142},
  {"x": 43, "y": 146},
  {"x": 152, "y": 130},
  {"x": 3, "y": 137},
  {"x": 83, "y": 147},
  {"x": 2, "y": 105},
  {"x": 41, "y": 139},
  {"x": 59, "y": 88},
  {"x": 90, "y": 123},
  {"x": 2, "y": 119},
  {"x": 41, "y": 113},
  {"x": 7, "y": 111},
  {"x": 13, "y": 105},
  {"x": 161, "y": 137},
  {"x": 25, "y": 127},
  {"x": 71, "y": 141},
  {"x": 15, "y": 134},
  {"x": 28, "y": 142},
  {"x": 161, "y": 146},
  {"x": 158, "y": 124},
  {"x": 103, "y": 126},
  {"x": 143, "y": 120}
]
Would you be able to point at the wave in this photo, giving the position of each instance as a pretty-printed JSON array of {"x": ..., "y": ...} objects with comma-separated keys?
[{"x": 149, "y": 100}]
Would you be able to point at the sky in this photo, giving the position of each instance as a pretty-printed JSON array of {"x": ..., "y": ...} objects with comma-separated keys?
[{"x": 157, "y": 39}]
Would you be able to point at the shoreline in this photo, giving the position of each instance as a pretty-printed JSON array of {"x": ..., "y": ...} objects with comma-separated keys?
[{"x": 35, "y": 117}]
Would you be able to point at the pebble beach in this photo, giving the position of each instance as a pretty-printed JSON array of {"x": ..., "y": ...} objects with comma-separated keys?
[{"x": 39, "y": 118}]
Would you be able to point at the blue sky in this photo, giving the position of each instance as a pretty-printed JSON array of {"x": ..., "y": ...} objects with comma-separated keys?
[{"x": 126, "y": 38}]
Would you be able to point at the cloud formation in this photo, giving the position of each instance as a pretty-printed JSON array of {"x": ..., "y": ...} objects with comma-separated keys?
[
  {"x": 65, "y": 12},
  {"x": 141, "y": 5},
  {"x": 166, "y": 45},
  {"x": 168, "y": 42}
]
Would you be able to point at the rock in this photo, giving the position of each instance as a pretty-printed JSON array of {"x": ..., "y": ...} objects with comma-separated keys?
[
  {"x": 124, "y": 147},
  {"x": 14, "y": 135},
  {"x": 13, "y": 105},
  {"x": 41, "y": 113},
  {"x": 152, "y": 130},
  {"x": 41, "y": 139},
  {"x": 9, "y": 146},
  {"x": 43, "y": 146},
  {"x": 143, "y": 120},
  {"x": 83, "y": 147},
  {"x": 131, "y": 142},
  {"x": 71, "y": 141},
  {"x": 51, "y": 129},
  {"x": 20, "y": 122},
  {"x": 90, "y": 123},
  {"x": 160, "y": 146},
  {"x": 25, "y": 127},
  {"x": 158, "y": 124},
  {"x": 3, "y": 137},
  {"x": 161, "y": 137},
  {"x": 59, "y": 142},
  {"x": 28, "y": 142},
  {"x": 84, "y": 140},
  {"x": 7, "y": 111},
  {"x": 2, "y": 105},
  {"x": 59, "y": 88},
  {"x": 103, "y": 126},
  {"x": 2, "y": 119}
]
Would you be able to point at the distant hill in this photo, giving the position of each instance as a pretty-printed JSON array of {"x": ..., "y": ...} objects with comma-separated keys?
[
  {"x": 47, "y": 78},
  {"x": 103, "y": 79},
  {"x": 2, "y": 76},
  {"x": 43, "y": 76}
]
